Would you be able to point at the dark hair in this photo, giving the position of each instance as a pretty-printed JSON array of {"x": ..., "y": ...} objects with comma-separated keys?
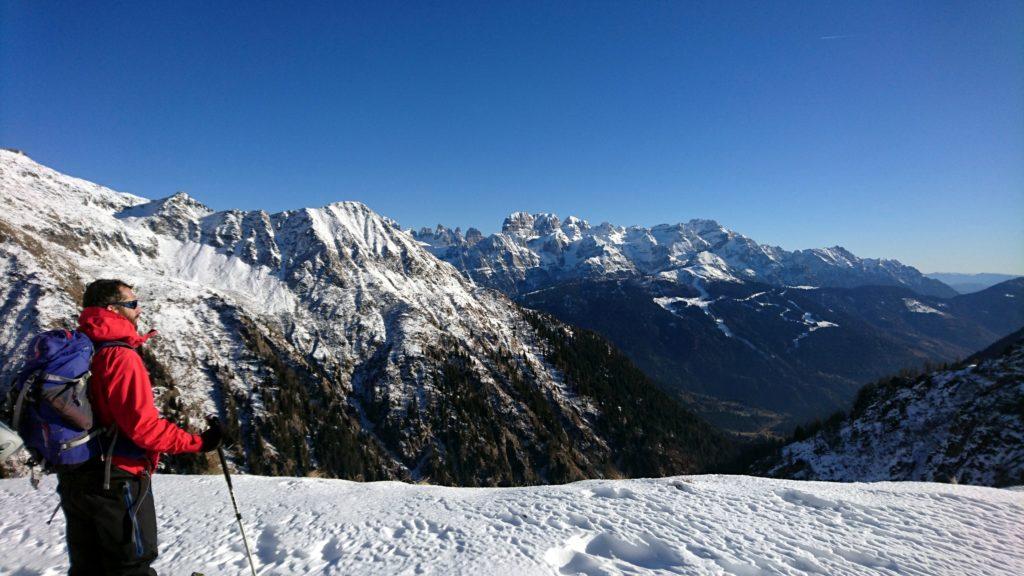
[{"x": 103, "y": 292}]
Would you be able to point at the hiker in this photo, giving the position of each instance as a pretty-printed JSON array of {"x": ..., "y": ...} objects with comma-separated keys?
[{"x": 112, "y": 530}]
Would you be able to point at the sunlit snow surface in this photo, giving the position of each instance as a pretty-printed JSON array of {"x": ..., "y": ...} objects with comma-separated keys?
[{"x": 684, "y": 525}]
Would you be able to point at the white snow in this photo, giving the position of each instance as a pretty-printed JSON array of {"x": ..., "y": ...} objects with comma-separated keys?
[
  {"x": 751, "y": 297},
  {"x": 920, "y": 308},
  {"x": 685, "y": 525},
  {"x": 812, "y": 324},
  {"x": 703, "y": 302},
  {"x": 712, "y": 267}
]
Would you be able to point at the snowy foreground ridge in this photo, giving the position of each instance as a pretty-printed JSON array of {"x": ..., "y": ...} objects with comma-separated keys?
[{"x": 683, "y": 525}]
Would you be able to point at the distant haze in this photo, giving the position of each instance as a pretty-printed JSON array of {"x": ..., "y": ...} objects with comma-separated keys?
[{"x": 968, "y": 283}]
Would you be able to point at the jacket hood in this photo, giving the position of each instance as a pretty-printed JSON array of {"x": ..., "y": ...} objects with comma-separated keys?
[{"x": 102, "y": 325}]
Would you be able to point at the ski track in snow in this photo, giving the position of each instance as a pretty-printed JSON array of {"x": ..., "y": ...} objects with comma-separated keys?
[{"x": 685, "y": 525}]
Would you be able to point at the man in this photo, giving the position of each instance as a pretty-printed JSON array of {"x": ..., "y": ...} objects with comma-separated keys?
[{"x": 112, "y": 530}]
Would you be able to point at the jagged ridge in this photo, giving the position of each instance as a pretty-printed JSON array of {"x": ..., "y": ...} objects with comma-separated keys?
[{"x": 533, "y": 251}]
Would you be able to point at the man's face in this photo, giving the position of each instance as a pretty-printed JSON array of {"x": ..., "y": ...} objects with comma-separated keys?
[{"x": 132, "y": 314}]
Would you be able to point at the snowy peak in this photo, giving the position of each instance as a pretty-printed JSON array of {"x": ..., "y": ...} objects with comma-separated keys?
[
  {"x": 835, "y": 255},
  {"x": 527, "y": 226},
  {"x": 355, "y": 234},
  {"x": 443, "y": 237},
  {"x": 518, "y": 223},
  {"x": 473, "y": 236},
  {"x": 179, "y": 205},
  {"x": 709, "y": 230},
  {"x": 178, "y": 216}
]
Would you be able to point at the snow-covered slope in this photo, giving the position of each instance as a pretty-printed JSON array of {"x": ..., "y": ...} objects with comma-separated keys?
[
  {"x": 965, "y": 424},
  {"x": 328, "y": 337},
  {"x": 713, "y": 525},
  {"x": 533, "y": 251}
]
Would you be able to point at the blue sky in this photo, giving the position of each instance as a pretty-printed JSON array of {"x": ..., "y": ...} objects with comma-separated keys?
[{"x": 893, "y": 129}]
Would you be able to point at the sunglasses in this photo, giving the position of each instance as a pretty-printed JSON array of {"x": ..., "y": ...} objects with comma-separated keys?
[{"x": 132, "y": 304}]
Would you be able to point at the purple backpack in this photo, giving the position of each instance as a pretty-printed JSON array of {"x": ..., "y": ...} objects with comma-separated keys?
[{"x": 52, "y": 413}]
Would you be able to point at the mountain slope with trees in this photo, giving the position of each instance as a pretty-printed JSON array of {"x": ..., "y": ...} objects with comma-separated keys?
[{"x": 962, "y": 423}]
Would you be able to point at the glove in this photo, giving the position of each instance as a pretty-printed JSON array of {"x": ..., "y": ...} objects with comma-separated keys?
[{"x": 213, "y": 436}]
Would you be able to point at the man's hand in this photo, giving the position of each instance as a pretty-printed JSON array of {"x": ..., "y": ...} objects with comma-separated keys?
[{"x": 213, "y": 436}]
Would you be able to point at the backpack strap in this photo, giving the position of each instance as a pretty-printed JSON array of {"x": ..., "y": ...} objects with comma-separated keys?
[
  {"x": 109, "y": 456},
  {"x": 19, "y": 404},
  {"x": 79, "y": 441},
  {"x": 113, "y": 344},
  {"x": 54, "y": 378}
]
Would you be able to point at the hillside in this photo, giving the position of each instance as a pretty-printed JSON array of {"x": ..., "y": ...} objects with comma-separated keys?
[{"x": 963, "y": 425}]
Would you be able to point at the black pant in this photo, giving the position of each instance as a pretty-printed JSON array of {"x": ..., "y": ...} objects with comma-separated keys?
[{"x": 109, "y": 532}]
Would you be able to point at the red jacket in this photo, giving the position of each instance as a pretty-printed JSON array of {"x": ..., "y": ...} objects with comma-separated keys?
[{"x": 121, "y": 393}]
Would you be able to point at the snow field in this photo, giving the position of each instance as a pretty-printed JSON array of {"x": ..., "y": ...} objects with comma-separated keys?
[{"x": 684, "y": 525}]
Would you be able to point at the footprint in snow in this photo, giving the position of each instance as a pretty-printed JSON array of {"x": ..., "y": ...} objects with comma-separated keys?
[
  {"x": 799, "y": 498},
  {"x": 268, "y": 547},
  {"x": 612, "y": 492},
  {"x": 333, "y": 550},
  {"x": 606, "y": 553}
]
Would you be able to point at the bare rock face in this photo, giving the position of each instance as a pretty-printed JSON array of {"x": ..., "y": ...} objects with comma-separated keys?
[{"x": 331, "y": 340}]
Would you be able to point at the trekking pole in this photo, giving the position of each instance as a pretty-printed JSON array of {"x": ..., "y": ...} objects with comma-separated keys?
[{"x": 238, "y": 515}]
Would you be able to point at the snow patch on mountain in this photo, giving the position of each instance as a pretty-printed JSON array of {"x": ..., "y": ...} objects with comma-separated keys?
[
  {"x": 703, "y": 302},
  {"x": 812, "y": 324},
  {"x": 920, "y": 308}
]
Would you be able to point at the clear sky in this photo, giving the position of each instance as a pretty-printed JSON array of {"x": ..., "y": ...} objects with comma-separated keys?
[{"x": 895, "y": 129}]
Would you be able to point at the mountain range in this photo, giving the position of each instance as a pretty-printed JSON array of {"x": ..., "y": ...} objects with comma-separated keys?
[
  {"x": 537, "y": 251},
  {"x": 756, "y": 337},
  {"x": 333, "y": 343}
]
